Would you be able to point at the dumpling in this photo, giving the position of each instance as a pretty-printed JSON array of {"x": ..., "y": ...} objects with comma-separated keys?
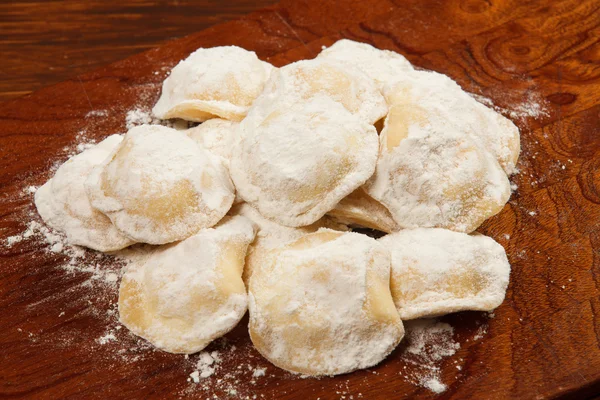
[
  {"x": 297, "y": 164},
  {"x": 437, "y": 271},
  {"x": 159, "y": 186},
  {"x": 187, "y": 294},
  {"x": 358, "y": 208},
  {"x": 444, "y": 100},
  {"x": 303, "y": 80},
  {"x": 431, "y": 174},
  {"x": 323, "y": 305},
  {"x": 382, "y": 66},
  {"x": 215, "y": 82},
  {"x": 64, "y": 205},
  {"x": 217, "y": 136},
  {"x": 271, "y": 235}
]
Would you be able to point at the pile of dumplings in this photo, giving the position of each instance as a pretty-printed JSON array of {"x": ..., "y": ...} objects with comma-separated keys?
[{"x": 253, "y": 209}]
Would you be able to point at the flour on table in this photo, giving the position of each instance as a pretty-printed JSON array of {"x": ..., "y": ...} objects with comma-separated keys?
[
  {"x": 428, "y": 342},
  {"x": 533, "y": 107}
]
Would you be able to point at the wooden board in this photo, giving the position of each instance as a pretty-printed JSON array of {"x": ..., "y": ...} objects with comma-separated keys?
[
  {"x": 544, "y": 339},
  {"x": 46, "y": 42}
]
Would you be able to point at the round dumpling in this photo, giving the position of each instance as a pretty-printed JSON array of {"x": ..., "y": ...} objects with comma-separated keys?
[
  {"x": 187, "y": 294},
  {"x": 303, "y": 80},
  {"x": 444, "y": 100},
  {"x": 382, "y": 66},
  {"x": 429, "y": 174},
  {"x": 358, "y": 208},
  {"x": 217, "y": 136},
  {"x": 323, "y": 306},
  {"x": 214, "y": 82},
  {"x": 64, "y": 205},
  {"x": 298, "y": 163},
  {"x": 159, "y": 186},
  {"x": 271, "y": 235},
  {"x": 437, "y": 271}
]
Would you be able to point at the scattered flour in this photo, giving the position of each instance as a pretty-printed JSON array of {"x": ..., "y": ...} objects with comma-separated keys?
[
  {"x": 141, "y": 116},
  {"x": 107, "y": 338},
  {"x": 533, "y": 107},
  {"x": 207, "y": 364},
  {"x": 97, "y": 113},
  {"x": 428, "y": 342}
]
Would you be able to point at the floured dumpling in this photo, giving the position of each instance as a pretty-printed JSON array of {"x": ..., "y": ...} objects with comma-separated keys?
[
  {"x": 383, "y": 66},
  {"x": 187, "y": 294},
  {"x": 217, "y": 136},
  {"x": 64, "y": 205},
  {"x": 270, "y": 235},
  {"x": 430, "y": 174},
  {"x": 215, "y": 82},
  {"x": 437, "y": 271},
  {"x": 323, "y": 306},
  {"x": 427, "y": 95},
  {"x": 358, "y": 208},
  {"x": 298, "y": 163},
  {"x": 159, "y": 186},
  {"x": 303, "y": 80}
]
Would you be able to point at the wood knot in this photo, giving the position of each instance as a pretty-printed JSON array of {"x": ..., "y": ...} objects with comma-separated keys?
[
  {"x": 520, "y": 50},
  {"x": 562, "y": 99}
]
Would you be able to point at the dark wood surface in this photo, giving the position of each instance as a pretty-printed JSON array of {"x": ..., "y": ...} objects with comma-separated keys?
[
  {"x": 45, "y": 42},
  {"x": 544, "y": 341}
]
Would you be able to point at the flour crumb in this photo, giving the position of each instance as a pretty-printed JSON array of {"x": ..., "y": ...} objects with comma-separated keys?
[
  {"x": 107, "y": 338},
  {"x": 97, "y": 113},
  {"x": 141, "y": 116},
  {"x": 435, "y": 385},
  {"x": 30, "y": 190},
  {"x": 137, "y": 117},
  {"x": 206, "y": 366},
  {"x": 258, "y": 372}
]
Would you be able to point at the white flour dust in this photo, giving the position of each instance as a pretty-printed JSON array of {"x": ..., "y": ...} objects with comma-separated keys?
[
  {"x": 428, "y": 343},
  {"x": 143, "y": 115},
  {"x": 533, "y": 107}
]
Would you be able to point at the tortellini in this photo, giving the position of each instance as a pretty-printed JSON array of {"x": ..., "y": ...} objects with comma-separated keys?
[
  {"x": 322, "y": 305},
  {"x": 187, "y": 294},
  {"x": 159, "y": 186},
  {"x": 63, "y": 204},
  {"x": 214, "y": 82},
  {"x": 437, "y": 271}
]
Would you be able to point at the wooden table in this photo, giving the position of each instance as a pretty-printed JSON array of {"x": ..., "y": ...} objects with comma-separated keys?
[
  {"x": 544, "y": 341},
  {"x": 45, "y": 42}
]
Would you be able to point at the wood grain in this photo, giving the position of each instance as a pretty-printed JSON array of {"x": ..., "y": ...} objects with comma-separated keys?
[
  {"x": 544, "y": 341},
  {"x": 45, "y": 42}
]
